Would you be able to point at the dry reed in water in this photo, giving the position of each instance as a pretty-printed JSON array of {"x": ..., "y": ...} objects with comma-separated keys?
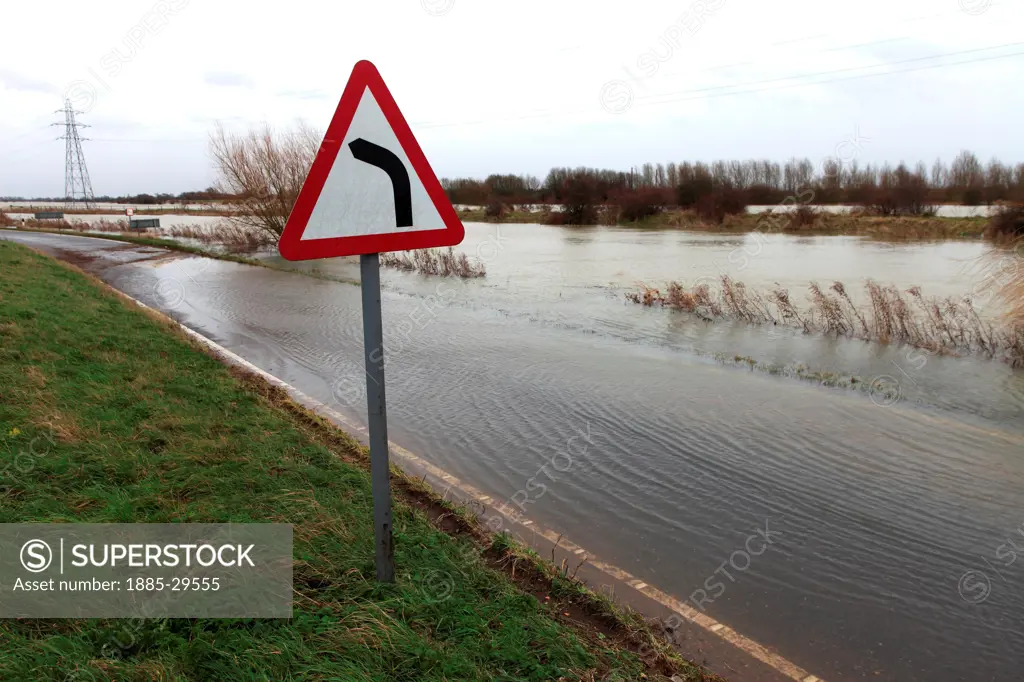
[
  {"x": 442, "y": 262},
  {"x": 947, "y": 325},
  {"x": 1005, "y": 278},
  {"x": 235, "y": 236}
]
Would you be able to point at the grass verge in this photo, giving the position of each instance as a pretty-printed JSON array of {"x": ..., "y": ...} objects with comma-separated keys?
[{"x": 142, "y": 426}]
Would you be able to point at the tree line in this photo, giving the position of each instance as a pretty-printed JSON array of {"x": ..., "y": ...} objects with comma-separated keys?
[{"x": 727, "y": 186}]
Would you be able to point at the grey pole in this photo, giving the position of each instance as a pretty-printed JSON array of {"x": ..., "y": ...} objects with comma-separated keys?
[{"x": 373, "y": 345}]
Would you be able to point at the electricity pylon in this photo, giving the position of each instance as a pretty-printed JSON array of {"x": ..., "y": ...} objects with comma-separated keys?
[{"x": 77, "y": 186}]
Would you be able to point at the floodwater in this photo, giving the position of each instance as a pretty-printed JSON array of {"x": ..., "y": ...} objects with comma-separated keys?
[
  {"x": 942, "y": 211},
  {"x": 859, "y": 537},
  {"x": 576, "y": 279},
  {"x": 98, "y": 205},
  {"x": 166, "y": 221}
]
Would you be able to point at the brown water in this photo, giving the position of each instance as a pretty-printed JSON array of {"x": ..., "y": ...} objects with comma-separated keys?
[
  {"x": 548, "y": 262},
  {"x": 946, "y": 211},
  {"x": 574, "y": 279},
  {"x": 166, "y": 220},
  {"x": 890, "y": 524}
]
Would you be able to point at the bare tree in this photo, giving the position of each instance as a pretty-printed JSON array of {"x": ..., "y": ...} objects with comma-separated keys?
[
  {"x": 940, "y": 174},
  {"x": 659, "y": 175},
  {"x": 264, "y": 169},
  {"x": 740, "y": 174},
  {"x": 672, "y": 174},
  {"x": 966, "y": 171},
  {"x": 648, "y": 174}
]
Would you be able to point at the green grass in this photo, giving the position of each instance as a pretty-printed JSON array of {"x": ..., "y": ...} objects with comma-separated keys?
[{"x": 131, "y": 423}]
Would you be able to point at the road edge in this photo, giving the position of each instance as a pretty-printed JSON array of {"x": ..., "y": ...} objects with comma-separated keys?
[
  {"x": 638, "y": 594},
  {"x": 454, "y": 489}
]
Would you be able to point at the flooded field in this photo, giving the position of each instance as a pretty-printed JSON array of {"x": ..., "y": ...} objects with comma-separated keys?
[
  {"x": 166, "y": 221},
  {"x": 576, "y": 279},
  {"x": 547, "y": 263},
  {"x": 98, "y": 205},
  {"x": 859, "y": 537},
  {"x": 944, "y": 211}
]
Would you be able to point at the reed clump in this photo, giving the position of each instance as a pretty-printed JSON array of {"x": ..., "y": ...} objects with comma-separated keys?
[
  {"x": 1005, "y": 278},
  {"x": 102, "y": 225},
  {"x": 948, "y": 325},
  {"x": 234, "y": 236},
  {"x": 1006, "y": 224},
  {"x": 1013, "y": 293},
  {"x": 441, "y": 262},
  {"x": 803, "y": 216},
  {"x": 60, "y": 224}
]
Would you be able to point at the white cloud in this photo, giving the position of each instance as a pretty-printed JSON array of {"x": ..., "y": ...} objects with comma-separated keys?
[
  {"x": 226, "y": 79},
  {"x": 11, "y": 80},
  {"x": 492, "y": 87}
]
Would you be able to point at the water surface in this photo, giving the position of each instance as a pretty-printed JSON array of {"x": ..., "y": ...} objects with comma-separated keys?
[{"x": 888, "y": 522}]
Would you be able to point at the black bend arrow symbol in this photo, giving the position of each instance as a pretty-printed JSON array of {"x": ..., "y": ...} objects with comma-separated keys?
[{"x": 378, "y": 156}]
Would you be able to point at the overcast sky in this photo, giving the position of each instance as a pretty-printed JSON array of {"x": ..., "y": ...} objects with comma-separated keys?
[{"x": 512, "y": 87}]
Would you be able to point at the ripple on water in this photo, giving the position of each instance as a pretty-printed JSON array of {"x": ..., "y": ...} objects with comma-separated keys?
[{"x": 879, "y": 510}]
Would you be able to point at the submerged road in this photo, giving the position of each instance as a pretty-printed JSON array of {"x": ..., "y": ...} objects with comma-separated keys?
[{"x": 858, "y": 538}]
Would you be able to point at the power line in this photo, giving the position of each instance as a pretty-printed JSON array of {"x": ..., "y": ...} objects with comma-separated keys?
[
  {"x": 838, "y": 48},
  {"x": 154, "y": 140},
  {"x": 11, "y": 153},
  {"x": 551, "y": 113},
  {"x": 838, "y": 80},
  {"x": 834, "y": 71},
  {"x": 718, "y": 67},
  {"x": 891, "y": 22},
  {"x": 602, "y": 44},
  {"x": 24, "y": 134}
]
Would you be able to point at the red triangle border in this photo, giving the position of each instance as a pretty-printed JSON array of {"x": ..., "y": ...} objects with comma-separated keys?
[{"x": 292, "y": 247}]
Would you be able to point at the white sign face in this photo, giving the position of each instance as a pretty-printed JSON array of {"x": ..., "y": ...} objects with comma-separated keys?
[
  {"x": 359, "y": 198},
  {"x": 370, "y": 188}
]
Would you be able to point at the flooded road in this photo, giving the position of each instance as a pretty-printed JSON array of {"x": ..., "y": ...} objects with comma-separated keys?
[
  {"x": 858, "y": 538},
  {"x": 167, "y": 220},
  {"x": 575, "y": 279}
]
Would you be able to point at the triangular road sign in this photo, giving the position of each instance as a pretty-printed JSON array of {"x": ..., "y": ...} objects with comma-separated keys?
[{"x": 370, "y": 188}]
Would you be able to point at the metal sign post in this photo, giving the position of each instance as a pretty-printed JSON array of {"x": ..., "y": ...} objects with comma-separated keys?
[
  {"x": 376, "y": 408},
  {"x": 370, "y": 190}
]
